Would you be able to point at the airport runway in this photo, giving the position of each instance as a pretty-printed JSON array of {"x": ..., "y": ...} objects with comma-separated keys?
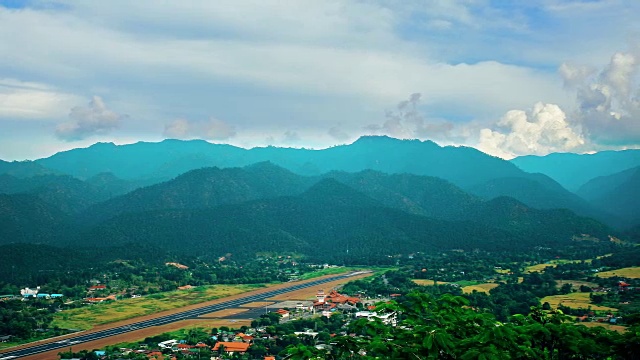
[{"x": 79, "y": 339}]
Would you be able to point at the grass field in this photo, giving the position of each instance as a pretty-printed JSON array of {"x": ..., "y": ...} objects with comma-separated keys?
[
  {"x": 87, "y": 317},
  {"x": 575, "y": 300},
  {"x": 538, "y": 268},
  {"x": 428, "y": 282},
  {"x": 485, "y": 288},
  {"x": 630, "y": 272},
  {"x": 327, "y": 271},
  {"x": 618, "y": 328},
  {"x": 576, "y": 283}
]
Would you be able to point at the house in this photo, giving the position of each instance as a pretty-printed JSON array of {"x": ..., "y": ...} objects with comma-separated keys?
[
  {"x": 97, "y": 287},
  {"x": 282, "y": 312},
  {"x": 232, "y": 347}
]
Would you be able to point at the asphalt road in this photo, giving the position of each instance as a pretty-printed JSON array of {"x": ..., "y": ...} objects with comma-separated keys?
[{"x": 63, "y": 344}]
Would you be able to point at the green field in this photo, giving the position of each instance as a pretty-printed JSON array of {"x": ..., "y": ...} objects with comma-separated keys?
[
  {"x": 630, "y": 272},
  {"x": 89, "y": 316},
  {"x": 575, "y": 300},
  {"x": 327, "y": 271}
]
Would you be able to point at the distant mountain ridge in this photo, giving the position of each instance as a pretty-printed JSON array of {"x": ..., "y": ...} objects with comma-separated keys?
[
  {"x": 574, "y": 170},
  {"x": 467, "y": 168}
]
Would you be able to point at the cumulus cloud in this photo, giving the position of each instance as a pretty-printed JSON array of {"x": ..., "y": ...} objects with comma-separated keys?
[
  {"x": 86, "y": 121},
  {"x": 406, "y": 121},
  {"x": 609, "y": 102},
  {"x": 541, "y": 130},
  {"x": 212, "y": 129}
]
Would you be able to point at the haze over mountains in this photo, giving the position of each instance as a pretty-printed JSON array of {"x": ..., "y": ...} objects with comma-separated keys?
[{"x": 376, "y": 197}]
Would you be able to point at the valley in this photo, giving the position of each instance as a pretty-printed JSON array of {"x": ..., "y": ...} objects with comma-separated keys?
[{"x": 143, "y": 245}]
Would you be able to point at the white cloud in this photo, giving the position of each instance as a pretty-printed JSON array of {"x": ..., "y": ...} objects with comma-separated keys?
[
  {"x": 86, "y": 121},
  {"x": 212, "y": 129},
  {"x": 540, "y": 131},
  {"x": 28, "y": 100}
]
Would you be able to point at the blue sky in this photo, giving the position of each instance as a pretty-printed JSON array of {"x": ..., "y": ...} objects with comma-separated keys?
[{"x": 507, "y": 77}]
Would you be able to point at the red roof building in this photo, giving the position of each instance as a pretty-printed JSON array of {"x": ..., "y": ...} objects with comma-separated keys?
[{"x": 232, "y": 346}]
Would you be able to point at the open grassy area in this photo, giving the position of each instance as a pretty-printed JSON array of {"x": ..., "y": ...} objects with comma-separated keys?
[
  {"x": 538, "y": 267},
  {"x": 576, "y": 283},
  {"x": 618, "y": 328},
  {"x": 485, "y": 288},
  {"x": 428, "y": 282},
  {"x": 630, "y": 272},
  {"x": 575, "y": 300},
  {"x": 327, "y": 271},
  {"x": 89, "y": 316}
]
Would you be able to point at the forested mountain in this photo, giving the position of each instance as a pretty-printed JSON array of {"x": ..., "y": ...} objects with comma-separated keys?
[
  {"x": 26, "y": 218},
  {"x": 205, "y": 188},
  {"x": 167, "y": 159},
  {"x": 618, "y": 193},
  {"x": 63, "y": 192},
  {"x": 23, "y": 169},
  {"x": 574, "y": 170},
  {"x": 467, "y": 168},
  {"x": 332, "y": 220}
]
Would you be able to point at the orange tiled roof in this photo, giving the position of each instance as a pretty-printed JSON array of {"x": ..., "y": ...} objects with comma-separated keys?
[{"x": 232, "y": 346}]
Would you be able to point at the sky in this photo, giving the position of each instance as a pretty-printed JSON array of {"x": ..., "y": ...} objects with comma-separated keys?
[{"x": 509, "y": 78}]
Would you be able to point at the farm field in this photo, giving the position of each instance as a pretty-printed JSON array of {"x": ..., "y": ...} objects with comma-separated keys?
[
  {"x": 88, "y": 317},
  {"x": 575, "y": 300},
  {"x": 630, "y": 272},
  {"x": 618, "y": 328},
  {"x": 485, "y": 288},
  {"x": 428, "y": 282},
  {"x": 576, "y": 283}
]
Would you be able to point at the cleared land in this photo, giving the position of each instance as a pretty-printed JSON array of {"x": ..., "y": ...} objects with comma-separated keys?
[
  {"x": 630, "y": 272},
  {"x": 538, "y": 268},
  {"x": 485, "y": 288},
  {"x": 576, "y": 283},
  {"x": 575, "y": 301},
  {"x": 90, "y": 316},
  {"x": 428, "y": 282},
  {"x": 618, "y": 328}
]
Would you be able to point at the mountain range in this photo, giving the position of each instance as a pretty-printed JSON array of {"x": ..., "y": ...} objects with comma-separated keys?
[{"x": 373, "y": 198}]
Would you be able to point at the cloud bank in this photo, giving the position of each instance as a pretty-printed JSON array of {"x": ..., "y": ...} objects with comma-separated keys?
[
  {"x": 94, "y": 119},
  {"x": 212, "y": 129}
]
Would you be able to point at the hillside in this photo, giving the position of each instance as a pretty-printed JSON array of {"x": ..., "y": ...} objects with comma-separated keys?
[
  {"x": 167, "y": 159},
  {"x": 617, "y": 193},
  {"x": 574, "y": 170},
  {"x": 332, "y": 220},
  {"x": 25, "y": 218}
]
